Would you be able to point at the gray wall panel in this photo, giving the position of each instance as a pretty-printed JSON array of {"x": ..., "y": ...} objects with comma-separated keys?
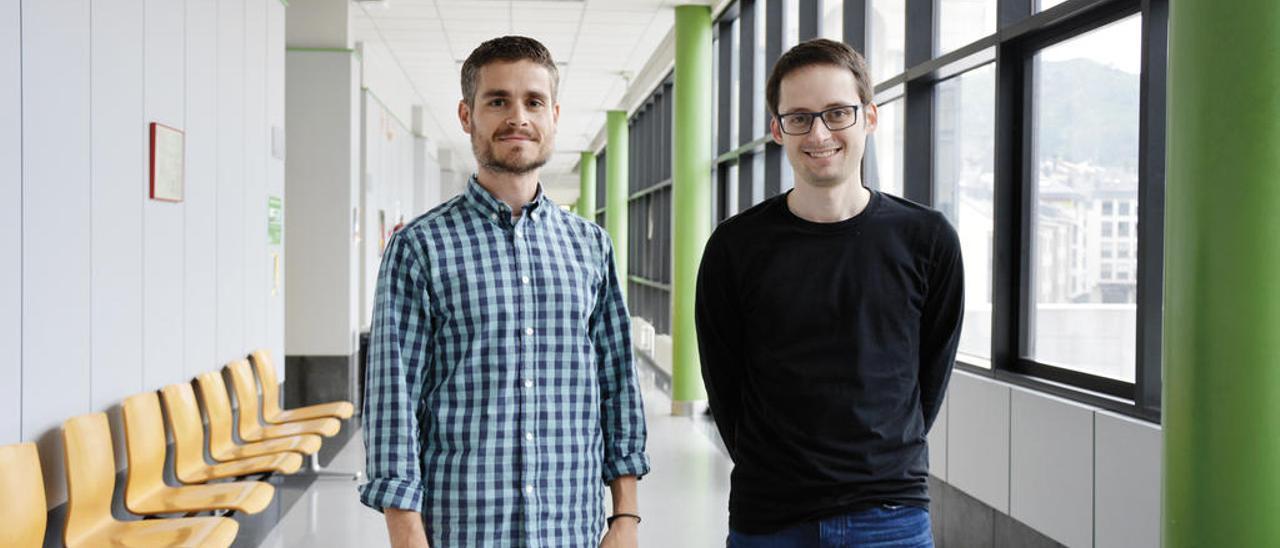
[
  {"x": 1051, "y": 467},
  {"x": 1126, "y": 482},
  {"x": 56, "y": 232},
  {"x": 200, "y": 236},
  {"x": 275, "y": 181},
  {"x": 10, "y": 223},
  {"x": 119, "y": 156},
  {"x": 163, "y": 222},
  {"x": 938, "y": 443},
  {"x": 978, "y": 439}
]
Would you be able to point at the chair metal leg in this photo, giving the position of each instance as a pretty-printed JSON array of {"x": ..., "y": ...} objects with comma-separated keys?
[{"x": 314, "y": 469}]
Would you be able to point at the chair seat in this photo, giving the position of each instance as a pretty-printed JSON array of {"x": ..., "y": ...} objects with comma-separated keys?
[
  {"x": 283, "y": 463},
  {"x": 249, "y": 497},
  {"x": 202, "y": 532},
  {"x": 326, "y": 427},
  {"x": 306, "y": 444},
  {"x": 337, "y": 409}
]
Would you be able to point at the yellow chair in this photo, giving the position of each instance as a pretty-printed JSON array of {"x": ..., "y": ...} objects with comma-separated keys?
[
  {"x": 271, "y": 412},
  {"x": 22, "y": 507},
  {"x": 188, "y": 444},
  {"x": 180, "y": 400},
  {"x": 91, "y": 476},
  {"x": 250, "y": 428},
  {"x": 146, "y": 492}
]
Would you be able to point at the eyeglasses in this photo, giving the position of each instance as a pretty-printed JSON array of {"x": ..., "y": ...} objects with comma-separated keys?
[{"x": 836, "y": 119}]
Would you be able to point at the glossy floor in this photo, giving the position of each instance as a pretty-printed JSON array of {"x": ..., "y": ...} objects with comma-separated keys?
[{"x": 683, "y": 500}]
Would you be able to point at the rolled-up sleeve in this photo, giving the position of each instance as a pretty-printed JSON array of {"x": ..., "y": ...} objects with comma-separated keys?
[
  {"x": 621, "y": 405},
  {"x": 398, "y": 356}
]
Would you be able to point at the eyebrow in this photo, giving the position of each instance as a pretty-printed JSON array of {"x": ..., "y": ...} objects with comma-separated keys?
[
  {"x": 827, "y": 106},
  {"x": 495, "y": 93}
]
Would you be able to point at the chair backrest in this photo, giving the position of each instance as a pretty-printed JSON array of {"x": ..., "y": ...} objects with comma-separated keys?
[
  {"x": 91, "y": 475},
  {"x": 22, "y": 507},
  {"x": 270, "y": 386},
  {"x": 218, "y": 406},
  {"x": 145, "y": 444},
  {"x": 247, "y": 396},
  {"x": 188, "y": 430}
]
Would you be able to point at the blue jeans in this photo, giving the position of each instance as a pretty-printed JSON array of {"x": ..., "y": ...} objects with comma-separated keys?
[{"x": 881, "y": 527}]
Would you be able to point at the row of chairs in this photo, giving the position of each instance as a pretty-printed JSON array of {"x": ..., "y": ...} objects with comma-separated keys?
[{"x": 274, "y": 442}]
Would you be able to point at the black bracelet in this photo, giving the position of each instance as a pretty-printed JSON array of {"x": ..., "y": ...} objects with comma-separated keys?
[{"x": 609, "y": 520}]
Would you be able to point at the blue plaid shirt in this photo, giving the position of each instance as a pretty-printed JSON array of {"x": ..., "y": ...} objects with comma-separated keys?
[{"x": 501, "y": 390}]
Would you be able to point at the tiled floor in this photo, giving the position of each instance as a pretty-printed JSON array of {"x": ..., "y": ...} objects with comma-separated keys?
[{"x": 683, "y": 500}]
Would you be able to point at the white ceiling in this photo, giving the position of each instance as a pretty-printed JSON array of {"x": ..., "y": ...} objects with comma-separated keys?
[{"x": 598, "y": 44}]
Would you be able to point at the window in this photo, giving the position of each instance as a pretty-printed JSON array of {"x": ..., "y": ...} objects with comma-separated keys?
[
  {"x": 886, "y": 38},
  {"x": 963, "y": 21},
  {"x": 1124, "y": 209},
  {"x": 1107, "y": 209},
  {"x": 964, "y": 158},
  {"x": 1042, "y": 5},
  {"x": 884, "y": 148},
  {"x": 1086, "y": 147},
  {"x": 1107, "y": 250}
]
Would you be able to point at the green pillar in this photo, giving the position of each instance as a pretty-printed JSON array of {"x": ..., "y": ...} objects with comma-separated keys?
[
  {"x": 1222, "y": 305},
  {"x": 587, "y": 188},
  {"x": 691, "y": 187},
  {"x": 615, "y": 193}
]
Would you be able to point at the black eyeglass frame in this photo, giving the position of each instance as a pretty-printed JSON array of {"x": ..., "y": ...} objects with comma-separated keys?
[{"x": 821, "y": 115}]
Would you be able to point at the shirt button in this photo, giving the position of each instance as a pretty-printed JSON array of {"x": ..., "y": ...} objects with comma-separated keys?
[
  {"x": 528, "y": 436},
  {"x": 528, "y": 383},
  {"x": 528, "y": 489},
  {"x": 524, "y": 280},
  {"x": 528, "y": 331},
  {"x": 493, "y": 216}
]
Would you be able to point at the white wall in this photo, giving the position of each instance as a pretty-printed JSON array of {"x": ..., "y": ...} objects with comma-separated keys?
[
  {"x": 1081, "y": 476},
  {"x": 10, "y": 222},
  {"x": 103, "y": 292}
]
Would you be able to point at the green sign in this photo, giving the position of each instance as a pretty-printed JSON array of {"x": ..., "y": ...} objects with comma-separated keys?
[{"x": 275, "y": 220}]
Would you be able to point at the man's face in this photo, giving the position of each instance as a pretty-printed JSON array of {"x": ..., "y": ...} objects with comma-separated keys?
[
  {"x": 513, "y": 121},
  {"x": 822, "y": 157}
]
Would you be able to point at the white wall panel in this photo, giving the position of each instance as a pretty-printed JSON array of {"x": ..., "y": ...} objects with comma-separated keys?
[
  {"x": 200, "y": 230},
  {"x": 56, "y": 231},
  {"x": 1126, "y": 482},
  {"x": 119, "y": 145},
  {"x": 163, "y": 221},
  {"x": 256, "y": 275},
  {"x": 10, "y": 223},
  {"x": 231, "y": 177},
  {"x": 978, "y": 439},
  {"x": 275, "y": 181},
  {"x": 938, "y": 443},
  {"x": 1051, "y": 467}
]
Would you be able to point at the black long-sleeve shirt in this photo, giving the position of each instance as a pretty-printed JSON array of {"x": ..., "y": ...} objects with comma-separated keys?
[{"x": 826, "y": 349}]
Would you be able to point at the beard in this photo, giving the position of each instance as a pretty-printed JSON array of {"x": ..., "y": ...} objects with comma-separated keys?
[{"x": 514, "y": 164}]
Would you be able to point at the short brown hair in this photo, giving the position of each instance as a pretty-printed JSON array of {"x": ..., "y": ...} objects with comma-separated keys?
[
  {"x": 506, "y": 49},
  {"x": 818, "y": 51}
]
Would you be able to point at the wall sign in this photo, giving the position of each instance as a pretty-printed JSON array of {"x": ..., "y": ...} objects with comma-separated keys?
[
  {"x": 167, "y": 149},
  {"x": 275, "y": 218}
]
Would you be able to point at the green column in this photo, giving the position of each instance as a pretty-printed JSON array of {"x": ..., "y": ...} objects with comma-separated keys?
[
  {"x": 691, "y": 187},
  {"x": 615, "y": 192},
  {"x": 1222, "y": 305},
  {"x": 587, "y": 186}
]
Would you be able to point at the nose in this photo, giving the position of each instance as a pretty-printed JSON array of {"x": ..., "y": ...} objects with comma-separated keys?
[
  {"x": 819, "y": 132},
  {"x": 519, "y": 116}
]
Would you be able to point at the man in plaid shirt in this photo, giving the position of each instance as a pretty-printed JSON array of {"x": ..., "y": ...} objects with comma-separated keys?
[{"x": 501, "y": 389}]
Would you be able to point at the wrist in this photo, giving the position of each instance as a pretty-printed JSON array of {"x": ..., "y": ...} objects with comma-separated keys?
[{"x": 627, "y": 519}]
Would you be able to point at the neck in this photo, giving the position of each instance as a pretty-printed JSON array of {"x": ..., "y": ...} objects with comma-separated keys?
[
  {"x": 513, "y": 190},
  {"x": 828, "y": 204}
]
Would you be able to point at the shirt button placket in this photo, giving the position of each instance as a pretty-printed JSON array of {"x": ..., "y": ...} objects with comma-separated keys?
[{"x": 529, "y": 401}]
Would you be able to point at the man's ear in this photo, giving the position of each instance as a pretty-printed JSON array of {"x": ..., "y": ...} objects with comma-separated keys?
[
  {"x": 872, "y": 116},
  {"x": 555, "y": 113},
  {"x": 774, "y": 130},
  {"x": 464, "y": 116}
]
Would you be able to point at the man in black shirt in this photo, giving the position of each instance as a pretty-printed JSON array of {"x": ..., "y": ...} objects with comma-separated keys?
[{"x": 828, "y": 319}]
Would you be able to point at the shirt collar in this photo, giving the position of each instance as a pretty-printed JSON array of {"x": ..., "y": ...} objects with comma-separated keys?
[{"x": 485, "y": 203}]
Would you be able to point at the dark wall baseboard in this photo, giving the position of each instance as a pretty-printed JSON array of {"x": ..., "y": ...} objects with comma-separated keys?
[
  {"x": 961, "y": 521},
  {"x": 320, "y": 379}
]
